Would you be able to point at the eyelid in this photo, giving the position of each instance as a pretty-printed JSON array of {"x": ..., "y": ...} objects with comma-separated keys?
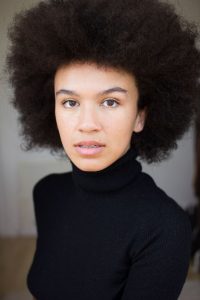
[
  {"x": 111, "y": 98},
  {"x": 108, "y": 98},
  {"x": 68, "y": 99}
]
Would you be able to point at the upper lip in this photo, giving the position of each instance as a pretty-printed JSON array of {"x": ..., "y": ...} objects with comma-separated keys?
[{"x": 88, "y": 143}]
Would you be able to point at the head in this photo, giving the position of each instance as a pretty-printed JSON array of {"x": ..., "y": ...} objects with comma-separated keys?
[
  {"x": 94, "y": 103},
  {"x": 89, "y": 46}
]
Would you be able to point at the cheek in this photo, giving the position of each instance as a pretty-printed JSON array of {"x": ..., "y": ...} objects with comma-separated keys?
[
  {"x": 59, "y": 120},
  {"x": 63, "y": 125},
  {"x": 119, "y": 131},
  {"x": 122, "y": 123}
]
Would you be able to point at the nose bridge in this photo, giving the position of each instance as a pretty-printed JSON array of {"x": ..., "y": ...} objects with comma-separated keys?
[
  {"x": 87, "y": 110},
  {"x": 88, "y": 115}
]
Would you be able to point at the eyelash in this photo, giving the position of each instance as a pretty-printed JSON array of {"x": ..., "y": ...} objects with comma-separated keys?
[{"x": 116, "y": 102}]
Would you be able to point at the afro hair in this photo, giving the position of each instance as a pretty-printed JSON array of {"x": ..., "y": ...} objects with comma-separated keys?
[{"x": 144, "y": 37}]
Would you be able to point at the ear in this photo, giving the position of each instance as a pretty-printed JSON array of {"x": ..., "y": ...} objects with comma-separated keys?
[{"x": 140, "y": 121}]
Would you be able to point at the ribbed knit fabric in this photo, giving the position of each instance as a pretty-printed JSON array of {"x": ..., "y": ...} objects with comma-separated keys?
[{"x": 112, "y": 234}]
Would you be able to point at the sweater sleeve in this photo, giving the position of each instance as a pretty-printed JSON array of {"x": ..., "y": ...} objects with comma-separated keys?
[{"x": 160, "y": 259}]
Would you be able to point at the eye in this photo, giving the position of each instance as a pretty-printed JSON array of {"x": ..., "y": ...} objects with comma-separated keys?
[
  {"x": 111, "y": 101},
  {"x": 71, "y": 103}
]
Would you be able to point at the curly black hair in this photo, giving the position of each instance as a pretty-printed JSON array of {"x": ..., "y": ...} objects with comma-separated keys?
[{"x": 144, "y": 37}]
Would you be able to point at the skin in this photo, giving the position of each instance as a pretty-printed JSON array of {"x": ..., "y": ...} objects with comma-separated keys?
[{"x": 110, "y": 118}]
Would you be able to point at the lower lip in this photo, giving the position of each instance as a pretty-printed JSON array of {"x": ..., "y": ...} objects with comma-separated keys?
[{"x": 89, "y": 151}]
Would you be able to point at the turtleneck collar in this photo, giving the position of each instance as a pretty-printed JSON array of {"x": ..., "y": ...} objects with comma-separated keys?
[{"x": 116, "y": 176}]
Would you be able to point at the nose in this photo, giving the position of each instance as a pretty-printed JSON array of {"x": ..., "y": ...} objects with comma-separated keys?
[{"x": 88, "y": 119}]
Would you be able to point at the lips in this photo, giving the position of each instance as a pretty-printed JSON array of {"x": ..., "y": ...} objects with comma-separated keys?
[
  {"x": 89, "y": 143},
  {"x": 89, "y": 148}
]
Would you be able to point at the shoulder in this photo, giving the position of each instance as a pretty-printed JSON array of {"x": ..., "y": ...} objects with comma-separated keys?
[
  {"x": 156, "y": 209},
  {"x": 50, "y": 188},
  {"x": 161, "y": 243},
  {"x": 164, "y": 232},
  {"x": 48, "y": 193},
  {"x": 51, "y": 182}
]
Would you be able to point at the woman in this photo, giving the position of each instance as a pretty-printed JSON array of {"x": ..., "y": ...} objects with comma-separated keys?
[{"x": 105, "y": 82}]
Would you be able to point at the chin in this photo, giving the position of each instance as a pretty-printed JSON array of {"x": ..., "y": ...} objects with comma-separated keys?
[{"x": 90, "y": 166}]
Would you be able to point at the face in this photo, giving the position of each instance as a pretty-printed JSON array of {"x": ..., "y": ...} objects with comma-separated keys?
[{"x": 98, "y": 105}]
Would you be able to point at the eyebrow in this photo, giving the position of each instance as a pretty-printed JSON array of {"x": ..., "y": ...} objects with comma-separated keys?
[{"x": 111, "y": 90}]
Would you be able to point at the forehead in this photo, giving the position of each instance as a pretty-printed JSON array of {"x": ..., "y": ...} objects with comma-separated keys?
[{"x": 92, "y": 73}]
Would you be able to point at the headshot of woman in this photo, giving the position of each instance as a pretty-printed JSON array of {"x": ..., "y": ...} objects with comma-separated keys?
[{"x": 104, "y": 83}]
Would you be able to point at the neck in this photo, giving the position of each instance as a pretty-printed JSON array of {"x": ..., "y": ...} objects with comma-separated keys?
[{"x": 116, "y": 176}]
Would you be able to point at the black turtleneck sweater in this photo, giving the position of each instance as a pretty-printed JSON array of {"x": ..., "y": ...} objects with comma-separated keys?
[{"x": 108, "y": 235}]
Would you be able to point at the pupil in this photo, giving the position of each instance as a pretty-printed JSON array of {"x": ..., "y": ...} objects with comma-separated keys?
[
  {"x": 71, "y": 102},
  {"x": 110, "y": 102}
]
